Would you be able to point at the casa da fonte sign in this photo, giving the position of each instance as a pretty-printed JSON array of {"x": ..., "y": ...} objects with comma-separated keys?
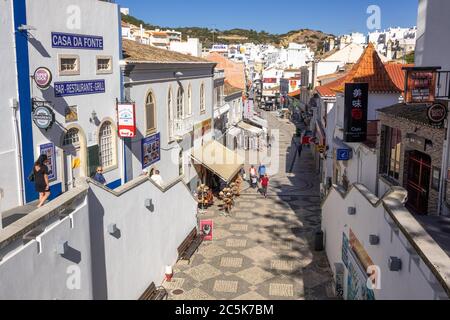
[
  {"x": 76, "y": 41},
  {"x": 355, "y": 115}
]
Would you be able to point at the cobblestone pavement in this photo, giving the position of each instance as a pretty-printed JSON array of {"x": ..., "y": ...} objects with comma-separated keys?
[{"x": 264, "y": 250}]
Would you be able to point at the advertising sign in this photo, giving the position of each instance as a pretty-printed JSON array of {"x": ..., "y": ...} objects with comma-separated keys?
[
  {"x": 75, "y": 88},
  {"x": 42, "y": 77},
  {"x": 49, "y": 150},
  {"x": 76, "y": 41},
  {"x": 420, "y": 85},
  {"x": 206, "y": 227},
  {"x": 437, "y": 113},
  {"x": 43, "y": 117},
  {"x": 355, "y": 114},
  {"x": 343, "y": 154},
  {"x": 151, "y": 150},
  {"x": 126, "y": 120}
]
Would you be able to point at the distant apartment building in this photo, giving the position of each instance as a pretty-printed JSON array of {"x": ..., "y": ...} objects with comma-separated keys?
[{"x": 192, "y": 47}]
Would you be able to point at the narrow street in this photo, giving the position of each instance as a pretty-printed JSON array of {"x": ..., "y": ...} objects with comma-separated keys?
[{"x": 265, "y": 249}]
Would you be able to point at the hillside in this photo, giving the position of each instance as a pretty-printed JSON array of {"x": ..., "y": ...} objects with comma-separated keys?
[{"x": 312, "y": 38}]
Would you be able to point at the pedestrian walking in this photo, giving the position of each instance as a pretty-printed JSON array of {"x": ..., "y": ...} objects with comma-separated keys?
[
  {"x": 265, "y": 185},
  {"x": 299, "y": 150},
  {"x": 253, "y": 177},
  {"x": 99, "y": 176},
  {"x": 261, "y": 170},
  {"x": 243, "y": 174},
  {"x": 156, "y": 177},
  {"x": 40, "y": 178}
]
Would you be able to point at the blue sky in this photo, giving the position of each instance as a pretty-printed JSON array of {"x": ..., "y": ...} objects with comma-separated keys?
[{"x": 332, "y": 16}]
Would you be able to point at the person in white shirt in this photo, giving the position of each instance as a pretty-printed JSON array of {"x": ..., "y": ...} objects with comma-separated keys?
[{"x": 156, "y": 177}]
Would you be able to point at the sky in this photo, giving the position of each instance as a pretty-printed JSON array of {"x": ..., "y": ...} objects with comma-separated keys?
[{"x": 330, "y": 16}]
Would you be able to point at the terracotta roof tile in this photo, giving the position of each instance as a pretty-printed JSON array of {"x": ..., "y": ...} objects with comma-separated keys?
[
  {"x": 370, "y": 69},
  {"x": 234, "y": 72},
  {"x": 229, "y": 89},
  {"x": 397, "y": 74}
]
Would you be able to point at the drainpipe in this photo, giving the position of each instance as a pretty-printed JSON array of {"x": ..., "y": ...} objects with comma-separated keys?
[
  {"x": 20, "y": 191},
  {"x": 444, "y": 168}
]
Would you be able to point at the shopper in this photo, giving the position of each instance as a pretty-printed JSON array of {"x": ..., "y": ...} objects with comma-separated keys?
[
  {"x": 265, "y": 185},
  {"x": 99, "y": 176},
  {"x": 253, "y": 177},
  {"x": 156, "y": 177},
  {"x": 261, "y": 170},
  {"x": 40, "y": 175}
]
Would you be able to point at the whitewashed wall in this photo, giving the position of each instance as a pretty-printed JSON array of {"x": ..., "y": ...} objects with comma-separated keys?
[
  {"x": 9, "y": 176},
  {"x": 432, "y": 46},
  {"x": 119, "y": 266},
  {"x": 415, "y": 280},
  {"x": 33, "y": 274},
  {"x": 148, "y": 240}
]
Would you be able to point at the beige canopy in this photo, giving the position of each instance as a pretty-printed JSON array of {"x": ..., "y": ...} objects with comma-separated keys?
[{"x": 220, "y": 160}]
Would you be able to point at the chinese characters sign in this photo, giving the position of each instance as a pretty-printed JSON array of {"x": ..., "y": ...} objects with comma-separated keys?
[
  {"x": 355, "y": 115},
  {"x": 420, "y": 86},
  {"x": 126, "y": 120}
]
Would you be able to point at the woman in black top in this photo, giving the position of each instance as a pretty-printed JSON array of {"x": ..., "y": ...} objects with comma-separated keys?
[{"x": 41, "y": 185}]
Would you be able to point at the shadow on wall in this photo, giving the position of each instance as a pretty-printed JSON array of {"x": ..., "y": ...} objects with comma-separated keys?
[{"x": 96, "y": 230}]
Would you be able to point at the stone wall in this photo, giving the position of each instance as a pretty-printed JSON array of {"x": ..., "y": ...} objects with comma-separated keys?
[{"x": 436, "y": 135}]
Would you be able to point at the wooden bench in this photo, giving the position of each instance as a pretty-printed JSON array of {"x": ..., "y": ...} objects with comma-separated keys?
[
  {"x": 190, "y": 245},
  {"x": 154, "y": 293}
]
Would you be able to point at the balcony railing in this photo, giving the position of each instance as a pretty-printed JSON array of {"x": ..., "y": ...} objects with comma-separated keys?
[
  {"x": 443, "y": 85},
  {"x": 182, "y": 126}
]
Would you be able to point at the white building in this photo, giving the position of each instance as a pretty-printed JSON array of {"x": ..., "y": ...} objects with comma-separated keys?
[
  {"x": 298, "y": 55},
  {"x": 125, "y": 11},
  {"x": 83, "y": 59},
  {"x": 354, "y": 37},
  {"x": 192, "y": 47},
  {"x": 174, "y": 105}
]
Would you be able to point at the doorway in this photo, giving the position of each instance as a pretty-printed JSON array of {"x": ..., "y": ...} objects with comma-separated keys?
[
  {"x": 418, "y": 181},
  {"x": 73, "y": 163}
]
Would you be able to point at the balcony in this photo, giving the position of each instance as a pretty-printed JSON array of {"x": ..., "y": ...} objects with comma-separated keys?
[{"x": 182, "y": 127}]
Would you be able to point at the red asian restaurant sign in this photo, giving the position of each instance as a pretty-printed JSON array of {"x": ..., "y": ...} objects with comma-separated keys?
[
  {"x": 126, "y": 118},
  {"x": 420, "y": 85}
]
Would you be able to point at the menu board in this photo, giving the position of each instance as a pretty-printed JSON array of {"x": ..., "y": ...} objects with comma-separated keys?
[
  {"x": 151, "y": 150},
  {"x": 49, "y": 150}
]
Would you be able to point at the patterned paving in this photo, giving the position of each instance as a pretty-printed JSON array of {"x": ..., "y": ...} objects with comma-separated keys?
[{"x": 264, "y": 250}]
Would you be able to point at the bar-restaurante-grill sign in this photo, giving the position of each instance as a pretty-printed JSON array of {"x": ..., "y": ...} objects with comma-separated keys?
[{"x": 355, "y": 115}]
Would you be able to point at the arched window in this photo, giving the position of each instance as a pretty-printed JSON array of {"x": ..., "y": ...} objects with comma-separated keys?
[
  {"x": 202, "y": 98},
  {"x": 107, "y": 146},
  {"x": 150, "y": 113},
  {"x": 189, "y": 102},
  {"x": 71, "y": 138},
  {"x": 180, "y": 101}
]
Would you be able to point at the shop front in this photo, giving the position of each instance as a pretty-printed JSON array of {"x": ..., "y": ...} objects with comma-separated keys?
[{"x": 216, "y": 165}]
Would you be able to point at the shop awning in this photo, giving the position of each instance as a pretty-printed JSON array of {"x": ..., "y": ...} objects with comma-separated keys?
[
  {"x": 259, "y": 121},
  {"x": 235, "y": 132},
  {"x": 224, "y": 109},
  {"x": 217, "y": 158},
  {"x": 252, "y": 129}
]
